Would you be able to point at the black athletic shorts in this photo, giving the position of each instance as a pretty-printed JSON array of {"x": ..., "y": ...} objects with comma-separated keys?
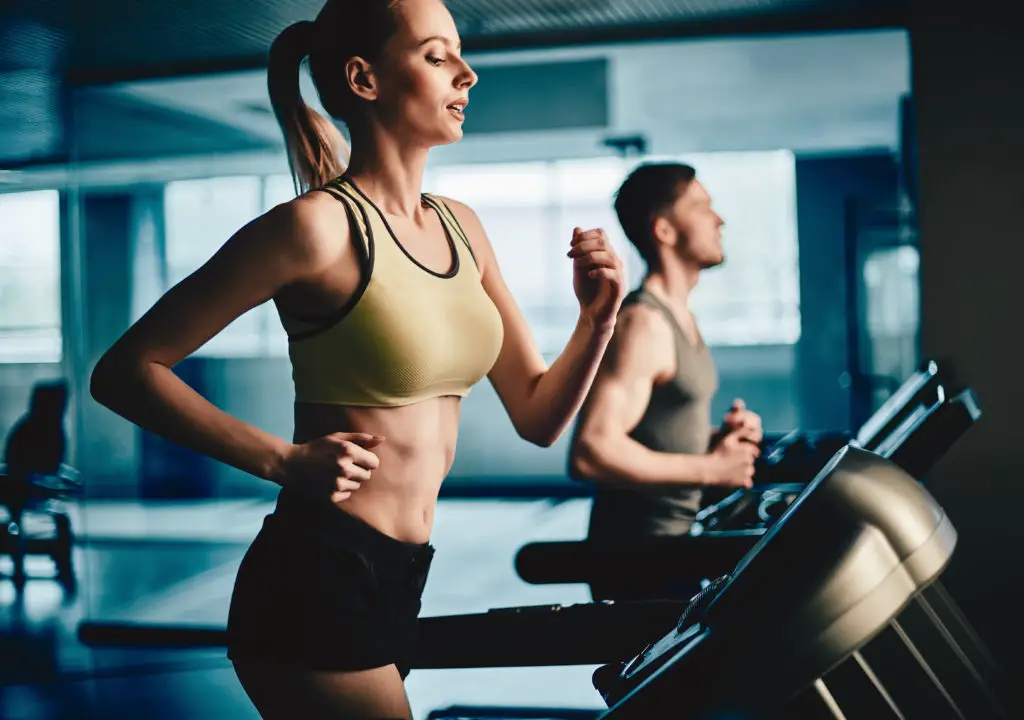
[{"x": 321, "y": 590}]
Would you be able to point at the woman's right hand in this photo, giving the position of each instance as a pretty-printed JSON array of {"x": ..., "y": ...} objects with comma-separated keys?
[{"x": 334, "y": 465}]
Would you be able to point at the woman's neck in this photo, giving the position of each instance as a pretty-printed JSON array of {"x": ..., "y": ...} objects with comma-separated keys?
[{"x": 389, "y": 173}]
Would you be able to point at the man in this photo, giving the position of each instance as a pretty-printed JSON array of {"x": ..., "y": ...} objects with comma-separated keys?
[{"x": 644, "y": 434}]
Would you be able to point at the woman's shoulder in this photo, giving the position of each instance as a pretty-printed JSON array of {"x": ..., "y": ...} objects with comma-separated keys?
[{"x": 312, "y": 228}]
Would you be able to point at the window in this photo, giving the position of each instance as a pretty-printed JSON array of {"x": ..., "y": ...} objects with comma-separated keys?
[
  {"x": 200, "y": 216},
  {"x": 30, "y": 307},
  {"x": 529, "y": 210}
]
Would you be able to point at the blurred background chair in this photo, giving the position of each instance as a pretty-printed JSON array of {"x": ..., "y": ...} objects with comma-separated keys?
[{"x": 35, "y": 486}]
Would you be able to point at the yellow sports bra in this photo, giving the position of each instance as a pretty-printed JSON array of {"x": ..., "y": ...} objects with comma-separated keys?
[{"x": 408, "y": 333}]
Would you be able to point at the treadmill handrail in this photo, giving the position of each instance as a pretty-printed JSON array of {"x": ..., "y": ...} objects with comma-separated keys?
[
  {"x": 581, "y": 561},
  {"x": 891, "y": 411}
]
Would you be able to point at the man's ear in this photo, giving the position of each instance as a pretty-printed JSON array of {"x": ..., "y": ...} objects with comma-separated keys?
[
  {"x": 360, "y": 78},
  {"x": 664, "y": 232}
]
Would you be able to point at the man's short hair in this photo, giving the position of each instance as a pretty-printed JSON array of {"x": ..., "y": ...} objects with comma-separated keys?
[{"x": 649, "y": 190}]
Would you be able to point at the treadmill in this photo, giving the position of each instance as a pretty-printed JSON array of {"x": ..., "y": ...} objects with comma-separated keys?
[{"x": 834, "y": 612}]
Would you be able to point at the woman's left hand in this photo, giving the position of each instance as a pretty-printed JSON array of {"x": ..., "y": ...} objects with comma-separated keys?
[{"x": 598, "y": 277}]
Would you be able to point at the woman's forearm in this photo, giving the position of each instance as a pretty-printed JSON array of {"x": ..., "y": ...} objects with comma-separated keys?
[
  {"x": 560, "y": 391},
  {"x": 157, "y": 400}
]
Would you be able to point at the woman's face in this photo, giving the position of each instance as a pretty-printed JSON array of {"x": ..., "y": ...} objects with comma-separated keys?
[{"x": 422, "y": 81}]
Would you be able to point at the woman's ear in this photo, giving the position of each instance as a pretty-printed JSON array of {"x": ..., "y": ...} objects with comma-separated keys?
[{"x": 360, "y": 78}]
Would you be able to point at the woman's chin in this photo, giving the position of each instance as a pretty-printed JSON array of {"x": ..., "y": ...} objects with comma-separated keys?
[{"x": 453, "y": 133}]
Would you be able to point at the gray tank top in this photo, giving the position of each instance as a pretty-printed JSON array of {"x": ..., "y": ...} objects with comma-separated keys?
[{"x": 677, "y": 420}]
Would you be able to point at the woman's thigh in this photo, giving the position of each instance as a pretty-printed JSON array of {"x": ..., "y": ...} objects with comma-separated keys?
[{"x": 284, "y": 692}]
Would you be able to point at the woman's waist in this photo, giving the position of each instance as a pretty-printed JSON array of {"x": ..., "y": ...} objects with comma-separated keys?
[
  {"x": 418, "y": 449},
  {"x": 396, "y": 525}
]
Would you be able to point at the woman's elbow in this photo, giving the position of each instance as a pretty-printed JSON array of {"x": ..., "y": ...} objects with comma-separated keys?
[
  {"x": 539, "y": 436},
  {"x": 110, "y": 379},
  {"x": 103, "y": 383}
]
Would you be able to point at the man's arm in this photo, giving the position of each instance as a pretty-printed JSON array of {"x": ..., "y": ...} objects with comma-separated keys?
[{"x": 602, "y": 450}]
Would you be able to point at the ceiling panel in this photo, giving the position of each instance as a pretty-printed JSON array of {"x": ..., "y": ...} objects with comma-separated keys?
[
  {"x": 47, "y": 44},
  {"x": 114, "y": 37},
  {"x": 501, "y": 17}
]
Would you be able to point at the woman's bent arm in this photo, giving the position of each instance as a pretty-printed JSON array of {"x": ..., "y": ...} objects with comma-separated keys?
[
  {"x": 554, "y": 399},
  {"x": 135, "y": 377},
  {"x": 541, "y": 401}
]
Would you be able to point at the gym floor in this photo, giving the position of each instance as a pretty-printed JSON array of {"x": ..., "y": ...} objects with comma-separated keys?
[{"x": 171, "y": 563}]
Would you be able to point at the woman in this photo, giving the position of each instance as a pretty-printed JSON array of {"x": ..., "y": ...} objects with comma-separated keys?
[{"x": 394, "y": 306}]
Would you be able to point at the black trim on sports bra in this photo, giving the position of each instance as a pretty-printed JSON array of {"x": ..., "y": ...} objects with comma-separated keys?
[
  {"x": 441, "y": 208},
  {"x": 452, "y": 272},
  {"x": 366, "y": 255}
]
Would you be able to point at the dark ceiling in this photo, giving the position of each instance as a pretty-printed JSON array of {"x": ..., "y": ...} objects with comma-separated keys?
[{"x": 47, "y": 46}]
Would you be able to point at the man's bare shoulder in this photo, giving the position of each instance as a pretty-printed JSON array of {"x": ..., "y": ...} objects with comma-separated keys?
[
  {"x": 641, "y": 322},
  {"x": 642, "y": 344}
]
